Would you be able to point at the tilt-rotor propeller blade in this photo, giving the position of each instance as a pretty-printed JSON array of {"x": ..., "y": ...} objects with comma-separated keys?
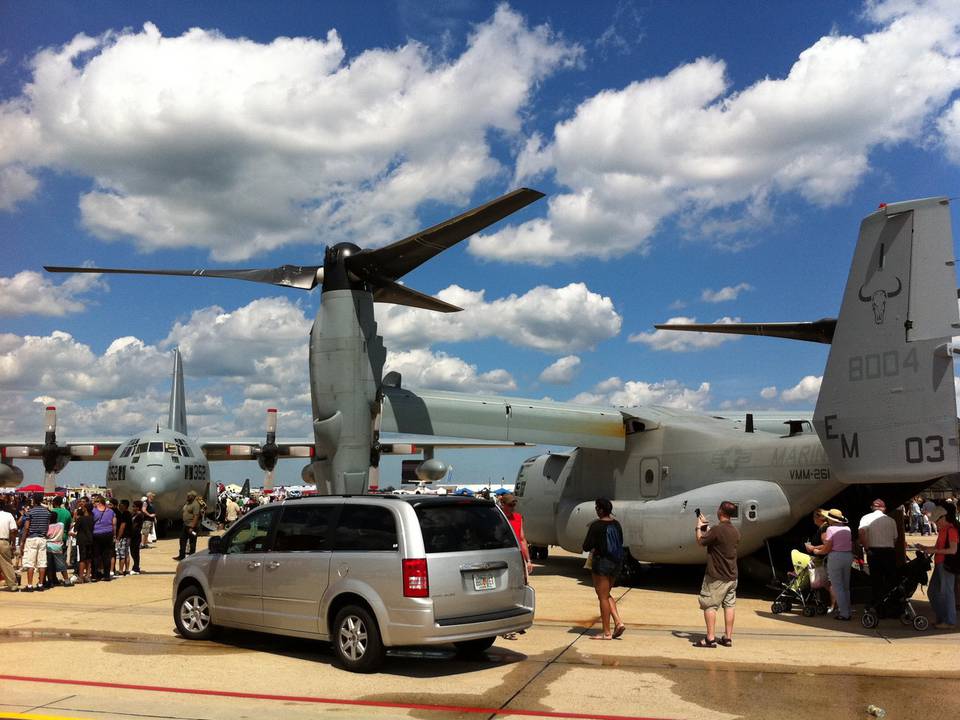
[
  {"x": 390, "y": 292},
  {"x": 397, "y": 259},
  {"x": 304, "y": 277},
  {"x": 820, "y": 331}
]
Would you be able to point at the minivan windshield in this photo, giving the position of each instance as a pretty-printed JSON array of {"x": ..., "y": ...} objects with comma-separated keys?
[{"x": 459, "y": 528}]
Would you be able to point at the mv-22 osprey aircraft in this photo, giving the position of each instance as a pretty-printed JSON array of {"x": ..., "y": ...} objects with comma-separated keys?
[{"x": 886, "y": 417}]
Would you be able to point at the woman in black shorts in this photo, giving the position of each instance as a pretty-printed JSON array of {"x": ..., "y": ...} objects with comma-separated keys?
[
  {"x": 604, "y": 542},
  {"x": 83, "y": 526}
]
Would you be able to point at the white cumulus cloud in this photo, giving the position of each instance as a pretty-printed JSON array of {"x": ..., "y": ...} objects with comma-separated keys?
[
  {"x": 683, "y": 340},
  {"x": 562, "y": 371},
  {"x": 634, "y": 393},
  {"x": 769, "y": 393},
  {"x": 725, "y": 294},
  {"x": 438, "y": 371},
  {"x": 570, "y": 318},
  {"x": 805, "y": 390},
  {"x": 687, "y": 143},
  {"x": 180, "y": 134},
  {"x": 31, "y": 293}
]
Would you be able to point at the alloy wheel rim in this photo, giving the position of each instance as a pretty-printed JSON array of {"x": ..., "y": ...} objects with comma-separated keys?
[
  {"x": 195, "y": 614},
  {"x": 353, "y": 637}
]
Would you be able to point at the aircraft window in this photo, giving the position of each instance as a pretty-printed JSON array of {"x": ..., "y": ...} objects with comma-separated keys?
[
  {"x": 170, "y": 448},
  {"x": 364, "y": 528},
  {"x": 126, "y": 451},
  {"x": 304, "y": 528},
  {"x": 648, "y": 476},
  {"x": 462, "y": 528},
  {"x": 156, "y": 447},
  {"x": 141, "y": 448},
  {"x": 185, "y": 451},
  {"x": 136, "y": 458},
  {"x": 250, "y": 534}
]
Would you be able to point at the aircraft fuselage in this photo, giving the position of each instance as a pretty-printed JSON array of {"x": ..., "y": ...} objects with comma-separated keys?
[
  {"x": 164, "y": 462},
  {"x": 669, "y": 471}
]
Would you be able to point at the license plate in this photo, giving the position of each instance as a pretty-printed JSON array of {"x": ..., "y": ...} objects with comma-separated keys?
[{"x": 484, "y": 582}]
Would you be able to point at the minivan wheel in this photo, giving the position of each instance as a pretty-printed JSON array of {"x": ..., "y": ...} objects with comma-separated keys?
[
  {"x": 356, "y": 640},
  {"x": 191, "y": 613},
  {"x": 472, "y": 648}
]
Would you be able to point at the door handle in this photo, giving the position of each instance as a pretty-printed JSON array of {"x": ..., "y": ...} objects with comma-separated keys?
[
  {"x": 273, "y": 564},
  {"x": 253, "y": 565}
]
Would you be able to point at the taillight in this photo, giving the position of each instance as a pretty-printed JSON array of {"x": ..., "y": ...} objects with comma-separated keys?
[{"x": 415, "y": 582}]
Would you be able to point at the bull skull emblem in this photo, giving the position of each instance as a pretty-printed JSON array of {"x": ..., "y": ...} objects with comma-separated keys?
[{"x": 879, "y": 300}]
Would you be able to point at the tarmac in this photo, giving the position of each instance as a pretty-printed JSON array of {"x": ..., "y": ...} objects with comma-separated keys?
[{"x": 109, "y": 650}]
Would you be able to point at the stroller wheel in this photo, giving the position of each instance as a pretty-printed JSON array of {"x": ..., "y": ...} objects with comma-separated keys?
[
  {"x": 777, "y": 608},
  {"x": 821, "y": 609},
  {"x": 809, "y": 611},
  {"x": 907, "y": 619},
  {"x": 920, "y": 623},
  {"x": 868, "y": 620}
]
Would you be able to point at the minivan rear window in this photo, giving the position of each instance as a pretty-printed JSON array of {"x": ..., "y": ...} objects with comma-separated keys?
[
  {"x": 461, "y": 528},
  {"x": 365, "y": 528}
]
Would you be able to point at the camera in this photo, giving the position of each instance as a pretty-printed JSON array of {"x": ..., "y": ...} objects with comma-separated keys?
[{"x": 697, "y": 512}]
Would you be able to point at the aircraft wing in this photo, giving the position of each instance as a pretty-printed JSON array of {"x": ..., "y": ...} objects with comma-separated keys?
[
  {"x": 304, "y": 447},
  {"x": 248, "y": 449},
  {"x": 99, "y": 450},
  {"x": 503, "y": 419}
]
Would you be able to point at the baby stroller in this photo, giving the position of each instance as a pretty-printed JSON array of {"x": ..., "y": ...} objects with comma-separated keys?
[
  {"x": 897, "y": 602},
  {"x": 799, "y": 591}
]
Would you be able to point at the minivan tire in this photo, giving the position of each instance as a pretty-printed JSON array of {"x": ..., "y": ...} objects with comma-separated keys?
[
  {"x": 191, "y": 614},
  {"x": 356, "y": 640},
  {"x": 472, "y": 648}
]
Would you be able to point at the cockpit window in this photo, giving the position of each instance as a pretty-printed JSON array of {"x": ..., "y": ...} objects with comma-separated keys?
[
  {"x": 156, "y": 447},
  {"x": 170, "y": 448},
  {"x": 126, "y": 451},
  {"x": 184, "y": 450},
  {"x": 141, "y": 448}
]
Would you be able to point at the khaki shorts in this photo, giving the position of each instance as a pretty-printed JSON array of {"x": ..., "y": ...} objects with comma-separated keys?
[
  {"x": 714, "y": 593},
  {"x": 35, "y": 552},
  {"x": 147, "y": 527}
]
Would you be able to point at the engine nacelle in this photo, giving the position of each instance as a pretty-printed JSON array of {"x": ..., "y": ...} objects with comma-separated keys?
[
  {"x": 664, "y": 530},
  {"x": 10, "y": 475},
  {"x": 313, "y": 474}
]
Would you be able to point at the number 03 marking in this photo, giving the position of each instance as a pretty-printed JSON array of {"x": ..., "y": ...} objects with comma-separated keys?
[{"x": 915, "y": 448}]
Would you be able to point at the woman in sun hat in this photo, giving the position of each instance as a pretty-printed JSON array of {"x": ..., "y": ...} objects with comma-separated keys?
[{"x": 838, "y": 547}]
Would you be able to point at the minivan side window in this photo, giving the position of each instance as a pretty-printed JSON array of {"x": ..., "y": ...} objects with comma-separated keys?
[
  {"x": 250, "y": 534},
  {"x": 365, "y": 528},
  {"x": 304, "y": 528}
]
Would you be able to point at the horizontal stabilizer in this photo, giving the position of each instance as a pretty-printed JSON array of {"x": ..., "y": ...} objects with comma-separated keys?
[{"x": 820, "y": 331}]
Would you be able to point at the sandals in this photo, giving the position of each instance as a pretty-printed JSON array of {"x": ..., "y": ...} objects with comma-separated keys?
[
  {"x": 725, "y": 641},
  {"x": 619, "y": 630},
  {"x": 705, "y": 643}
]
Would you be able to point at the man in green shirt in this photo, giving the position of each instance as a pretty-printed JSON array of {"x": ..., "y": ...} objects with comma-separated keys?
[{"x": 191, "y": 514}]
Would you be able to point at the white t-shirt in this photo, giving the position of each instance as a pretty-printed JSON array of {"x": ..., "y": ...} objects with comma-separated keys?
[
  {"x": 881, "y": 529},
  {"x": 8, "y": 525}
]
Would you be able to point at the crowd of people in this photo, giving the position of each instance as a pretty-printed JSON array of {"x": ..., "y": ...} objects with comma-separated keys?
[
  {"x": 880, "y": 541},
  {"x": 86, "y": 539}
]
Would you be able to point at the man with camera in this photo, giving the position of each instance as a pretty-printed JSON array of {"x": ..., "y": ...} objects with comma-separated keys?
[{"x": 719, "y": 588}]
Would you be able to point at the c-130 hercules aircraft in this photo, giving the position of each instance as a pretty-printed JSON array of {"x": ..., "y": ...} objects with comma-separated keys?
[{"x": 886, "y": 415}]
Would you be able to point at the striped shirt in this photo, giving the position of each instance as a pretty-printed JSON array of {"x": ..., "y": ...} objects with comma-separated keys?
[{"x": 39, "y": 518}]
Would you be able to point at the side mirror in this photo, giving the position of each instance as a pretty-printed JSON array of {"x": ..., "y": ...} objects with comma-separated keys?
[{"x": 214, "y": 545}]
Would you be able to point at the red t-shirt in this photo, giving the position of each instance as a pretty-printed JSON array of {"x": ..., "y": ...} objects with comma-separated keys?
[
  {"x": 951, "y": 532},
  {"x": 516, "y": 522}
]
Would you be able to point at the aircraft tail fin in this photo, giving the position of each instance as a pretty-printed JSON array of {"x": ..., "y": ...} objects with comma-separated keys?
[
  {"x": 887, "y": 409},
  {"x": 177, "y": 419}
]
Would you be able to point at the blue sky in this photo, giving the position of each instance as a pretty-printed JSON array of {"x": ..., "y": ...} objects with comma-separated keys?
[{"x": 701, "y": 160}]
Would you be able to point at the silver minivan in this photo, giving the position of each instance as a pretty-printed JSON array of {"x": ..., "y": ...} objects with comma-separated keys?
[{"x": 365, "y": 572}]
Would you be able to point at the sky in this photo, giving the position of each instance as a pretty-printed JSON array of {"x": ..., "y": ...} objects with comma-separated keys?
[{"x": 702, "y": 162}]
